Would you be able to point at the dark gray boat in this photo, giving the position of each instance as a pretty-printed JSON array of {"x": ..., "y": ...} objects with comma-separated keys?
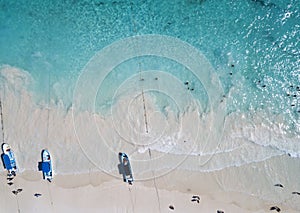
[{"x": 125, "y": 168}]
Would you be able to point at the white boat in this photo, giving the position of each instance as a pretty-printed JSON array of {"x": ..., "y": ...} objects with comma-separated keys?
[
  {"x": 46, "y": 165},
  {"x": 8, "y": 159},
  {"x": 125, "y": 168}
]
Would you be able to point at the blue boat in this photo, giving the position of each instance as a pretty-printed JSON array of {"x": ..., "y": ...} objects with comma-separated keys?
[
  {"x": 46, "y": 165},
  {"x": 125, "y": 168},
  {"x": 8, "y": 159}
]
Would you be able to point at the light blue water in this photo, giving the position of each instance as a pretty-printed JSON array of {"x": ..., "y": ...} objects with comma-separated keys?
[{"x": 259, "y": 37}]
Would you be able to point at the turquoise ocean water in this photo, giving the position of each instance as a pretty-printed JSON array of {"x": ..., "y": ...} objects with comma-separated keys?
[{"x": 253, "y": 46}]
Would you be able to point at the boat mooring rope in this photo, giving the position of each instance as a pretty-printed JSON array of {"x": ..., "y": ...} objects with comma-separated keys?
[
  {"x": 131, "y": 198},
  {"x": 3, "y": 140},
  {"x": 48, "y": 111},
  {"x": 2, "y": 125},
  {"x": 140, "y": 71},
  {"x": 17, "y": 199},
  {"x": 50, "y": 195},
  {"x": 154, "y": 182}
]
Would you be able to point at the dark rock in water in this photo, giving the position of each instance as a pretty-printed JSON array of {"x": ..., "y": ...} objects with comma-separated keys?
[
  {"x": 296, "y": 193},
  {"x": 279, "y": 185},
  {"x": 186, "y": 83},
  {"x": 276, "y": 208},
  {"x": 171, "y": 207}
]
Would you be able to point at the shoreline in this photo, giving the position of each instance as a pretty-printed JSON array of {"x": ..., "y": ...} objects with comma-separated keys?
[
  {"x": 241, "y": 172},
  {"x": 99, "y": 191}
]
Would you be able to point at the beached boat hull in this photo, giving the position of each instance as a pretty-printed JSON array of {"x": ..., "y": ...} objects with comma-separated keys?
[
  {"x": 8, "y": 159},
  {"x": 46, "y": 165},
  {"x": 125, "y": 168}
]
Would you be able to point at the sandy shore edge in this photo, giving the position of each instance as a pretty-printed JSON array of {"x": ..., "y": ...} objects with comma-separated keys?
[{"x": 98, "y": 191}]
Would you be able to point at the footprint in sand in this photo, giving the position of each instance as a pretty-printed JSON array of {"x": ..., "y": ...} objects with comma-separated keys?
[
  {"x": 276, "y": 208},
  {"x": 15, "y": 192},
  {"x": 195, "y": 198},
  {"x": 279, "y": 185},
  {"x": 37, "y": 194},
  {"x": 171, "y": 207}
]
